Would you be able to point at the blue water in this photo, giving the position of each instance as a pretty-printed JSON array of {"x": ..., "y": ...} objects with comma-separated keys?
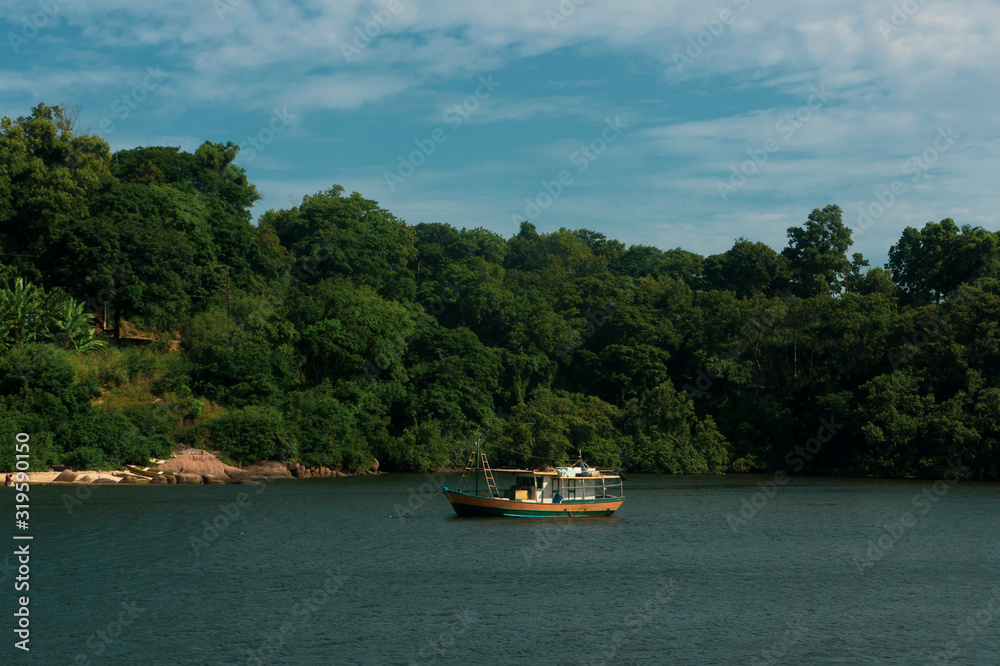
[{"x": 316, "y": 572}]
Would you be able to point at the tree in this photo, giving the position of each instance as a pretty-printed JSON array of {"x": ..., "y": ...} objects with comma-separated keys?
[
  {"x": 929, "y": 263},
  {"x": 48, "y": 179},
  {"x": 817, "y": 253},
  {"x": 551, "y": 428},
  {"x": 747, "y": 269},
  {"x": 216, "y": 202},
  {"x": 665, "y": 435}
]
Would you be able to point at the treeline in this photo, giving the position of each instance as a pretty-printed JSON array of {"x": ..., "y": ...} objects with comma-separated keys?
[{"x": 331, "y": 333}]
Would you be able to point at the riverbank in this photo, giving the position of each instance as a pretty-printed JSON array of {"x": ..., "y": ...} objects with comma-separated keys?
[{"x": 200, "y": 467}]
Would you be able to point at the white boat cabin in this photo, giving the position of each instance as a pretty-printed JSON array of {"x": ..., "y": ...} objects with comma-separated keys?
[{"x": 554, "y": 487}]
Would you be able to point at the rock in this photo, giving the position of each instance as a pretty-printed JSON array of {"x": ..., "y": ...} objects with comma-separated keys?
[
  {"x": 199, "y": 463},
  {"x": 130, "y": 479},
  {"x": 106, "y": 479},
  {"x": 84, "y": 479},
  {"x": 189, "y": 479},
  {"x": 171, "y": 478},
  {"x": 208, "y": 478},
  {"x": 66, "y": 475},
  {"x": 307, "y": 474},
  {"x": 248, "y": 482},
  {"x": 268, "y": 469},
  {"x": 325, "y": 472},
  {"x": 159, "y": 480},
  {"x": 374, "y": 465},
  {"x": 338, "y": 473}
]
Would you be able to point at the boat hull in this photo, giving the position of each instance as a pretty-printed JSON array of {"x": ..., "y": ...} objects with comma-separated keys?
[{"x": 468, "y": 506}]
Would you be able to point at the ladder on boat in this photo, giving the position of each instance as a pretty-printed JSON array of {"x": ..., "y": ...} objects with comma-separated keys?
[
  {"x": 488, "y": 473},
  {"x": 477, "y": 459}
]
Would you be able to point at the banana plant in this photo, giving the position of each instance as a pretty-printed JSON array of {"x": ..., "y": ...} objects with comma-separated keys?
[
  {"x": 28, "y": 314},
  {"x": 20, "y": 313},
  {"x": 72, "y": 328}
]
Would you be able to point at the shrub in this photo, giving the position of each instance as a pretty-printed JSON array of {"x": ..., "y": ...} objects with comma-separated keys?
[{"x": 252, "y": 433}]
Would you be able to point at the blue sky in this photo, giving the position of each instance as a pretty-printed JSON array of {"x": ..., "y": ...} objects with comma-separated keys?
[{"x": 673, "y": 124}]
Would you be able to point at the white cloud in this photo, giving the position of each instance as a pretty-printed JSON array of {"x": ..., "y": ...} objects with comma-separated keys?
[{"x": 890, "y": 90}]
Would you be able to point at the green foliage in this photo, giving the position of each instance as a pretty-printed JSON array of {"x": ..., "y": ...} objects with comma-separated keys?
[
  {"x": 665, "y": 435},
  {"x": 550, "y": 429},
  {"x": 333, "y": 332},
  {"x": 28, "y": 314},
  {"x": 817, "y": 253},
  {"x": 242, "y": 360},
  {"x": 252, "y": 433},
  {"x": 325, "y": 429},
  {"x": 748, "y": 269},
  {"x": 930, "y": 263},
  {"x": 100, "y": 440},
  {"x": 42, "y": 453}
]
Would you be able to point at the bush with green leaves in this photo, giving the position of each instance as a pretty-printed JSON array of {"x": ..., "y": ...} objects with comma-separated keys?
[
  {"x": 252, "y": 433},
  {"x": 116, "y": 439},
  {"x": 325, "y": 429}
]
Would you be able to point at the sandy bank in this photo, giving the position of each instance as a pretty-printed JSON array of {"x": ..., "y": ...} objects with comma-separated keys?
[{"x": 193, "y": 468}]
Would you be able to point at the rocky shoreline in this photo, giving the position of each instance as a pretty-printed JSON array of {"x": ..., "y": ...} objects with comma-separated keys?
[{"x": 194, "y": 469}]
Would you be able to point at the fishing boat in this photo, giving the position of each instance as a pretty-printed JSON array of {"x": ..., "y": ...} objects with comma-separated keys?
[{"x": 576, "y": 491}]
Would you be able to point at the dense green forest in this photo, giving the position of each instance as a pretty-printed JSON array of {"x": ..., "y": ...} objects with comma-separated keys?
[{"x": 141, "y": 309}]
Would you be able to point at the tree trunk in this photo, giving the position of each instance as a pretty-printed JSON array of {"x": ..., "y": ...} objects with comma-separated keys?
[{"x": 118, "y": 321}]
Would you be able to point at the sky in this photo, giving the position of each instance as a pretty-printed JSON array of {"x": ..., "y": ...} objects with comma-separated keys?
[{"x": 664, "y": 123}]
